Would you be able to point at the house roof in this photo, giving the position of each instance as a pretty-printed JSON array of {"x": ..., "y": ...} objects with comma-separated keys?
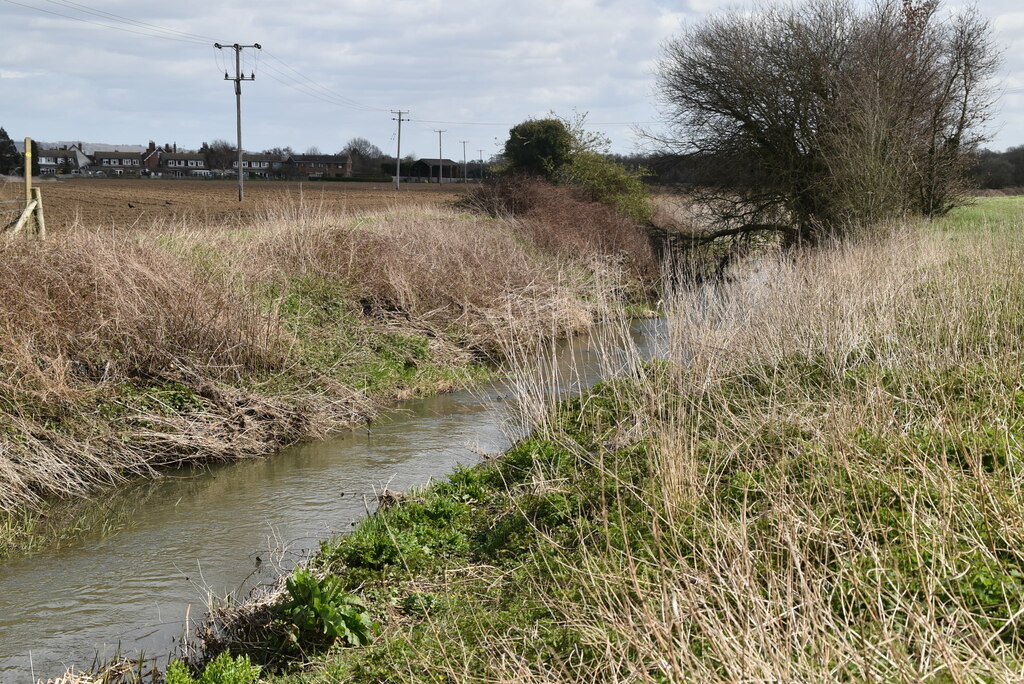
[
  {"x": 437, "y": 162},
  {"x": 319, "y": 158},
  {"x": 56, "y": 153},
  {"x": 118, "y": 155},
  {"x": 261, "y": 157},
  {"x": 183, "y": 156}
]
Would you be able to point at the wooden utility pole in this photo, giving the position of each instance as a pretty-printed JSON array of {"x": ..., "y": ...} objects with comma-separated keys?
[
  {"x": 464, "y": 142},
  {"x": 481, "y": 165},
  {"x": 238, "y": 78},
  {"x": 398, "y": 155},
  {"x": 440, "y": 156}
]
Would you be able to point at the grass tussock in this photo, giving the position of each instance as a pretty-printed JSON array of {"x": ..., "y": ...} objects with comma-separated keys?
[
  {"x": 821, "y": 481},
  {"x": 128, "y": 352}
]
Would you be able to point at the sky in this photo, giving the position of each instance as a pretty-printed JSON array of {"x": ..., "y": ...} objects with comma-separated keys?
[{"x": 130, "y": 71}]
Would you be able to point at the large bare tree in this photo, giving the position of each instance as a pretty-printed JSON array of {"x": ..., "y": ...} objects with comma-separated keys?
[{"x": 812, "y": 118}]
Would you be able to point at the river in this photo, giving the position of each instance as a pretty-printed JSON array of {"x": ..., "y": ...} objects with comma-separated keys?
[{"x": 222, "y": 529}]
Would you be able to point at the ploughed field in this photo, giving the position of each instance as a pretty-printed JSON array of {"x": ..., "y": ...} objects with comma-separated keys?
[{"x": 125, "y": 202}]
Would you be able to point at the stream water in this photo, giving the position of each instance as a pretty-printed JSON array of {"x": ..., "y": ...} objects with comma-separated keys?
[{"x": 224, "y": 528}]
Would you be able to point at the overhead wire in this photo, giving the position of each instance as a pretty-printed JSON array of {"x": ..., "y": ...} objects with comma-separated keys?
[
  {"x": 117, "y": 17},
  {"x": 313, "y": 84},
  {"x": 322, "y": 94},
  {"x": 148, "y": 33}
]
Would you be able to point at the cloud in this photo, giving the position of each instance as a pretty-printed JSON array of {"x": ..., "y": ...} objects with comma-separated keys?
[{"x": 346, "y": 63}]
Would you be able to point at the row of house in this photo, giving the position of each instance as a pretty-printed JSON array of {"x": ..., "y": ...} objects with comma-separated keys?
[{"x": 155, "y": 161}]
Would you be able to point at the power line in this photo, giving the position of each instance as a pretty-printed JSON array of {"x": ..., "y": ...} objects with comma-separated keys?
[
  {"x": 350, "y": 102},
  {"x": 147, "y": 33},
  {"x": 117, "y": 17}
]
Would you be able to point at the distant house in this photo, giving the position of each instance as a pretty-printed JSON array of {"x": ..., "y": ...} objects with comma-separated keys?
[
  {"x": 183, "y": 164},
  {"x": 259, "y": 165},
  {"x": 319, "y": 165},
  {"x": 57, "y": 161},
  {"x": 428, "y": 169},
  {"x": 118, "y": 163}
]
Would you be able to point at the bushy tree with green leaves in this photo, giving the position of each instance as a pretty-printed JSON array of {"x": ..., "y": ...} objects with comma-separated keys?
[
  {"x": 539, "y": 147},
  {"x": 564, "y": 151}
]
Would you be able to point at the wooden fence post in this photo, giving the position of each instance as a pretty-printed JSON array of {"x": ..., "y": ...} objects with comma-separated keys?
[
  {"x": 37, "y": 195},
  {"x": 28, "y": 170},
  {"x": 28, "y": 173}
]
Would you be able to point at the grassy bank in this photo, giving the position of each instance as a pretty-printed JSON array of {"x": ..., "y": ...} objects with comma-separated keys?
[
  {"x": 821, "y": 482},
  {"x": 179, "y": 342}
]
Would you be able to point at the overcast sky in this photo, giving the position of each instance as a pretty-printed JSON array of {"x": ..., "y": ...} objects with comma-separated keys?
[{"x": 331, "y": 70}]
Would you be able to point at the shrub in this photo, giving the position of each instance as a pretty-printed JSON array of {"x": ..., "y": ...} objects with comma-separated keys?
[
  {"x": 318, "y": 613},
  {"x": 562, "y": 222},
  {"x": 609, "y": 182},
  {"x": 221, "y": 670}
]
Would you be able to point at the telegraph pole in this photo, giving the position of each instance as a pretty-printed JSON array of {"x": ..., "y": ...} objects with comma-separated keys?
[
  {"x": 238, "y": 78},
  {"x": 440, "y": 157},
  {"x": 463, "y": 159},
  {"x": 481, "y": 165},
  {"x": 398, "y": 156}
]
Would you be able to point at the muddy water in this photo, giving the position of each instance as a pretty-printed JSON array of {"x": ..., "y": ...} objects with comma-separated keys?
[{"x": 232, "y": 526}]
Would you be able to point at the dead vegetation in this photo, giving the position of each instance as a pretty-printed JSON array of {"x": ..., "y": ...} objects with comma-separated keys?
[{"x": 131, "y": 351}]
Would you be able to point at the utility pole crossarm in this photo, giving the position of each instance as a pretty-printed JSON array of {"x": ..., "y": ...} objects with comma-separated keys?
[{"x": 238, "y": 78}]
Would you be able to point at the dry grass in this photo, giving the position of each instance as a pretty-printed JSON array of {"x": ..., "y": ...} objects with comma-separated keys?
[
  {"x": 822, "y": 482},
  {"x": 838, "y": 490},
  {"x": 177, "y": 342}
]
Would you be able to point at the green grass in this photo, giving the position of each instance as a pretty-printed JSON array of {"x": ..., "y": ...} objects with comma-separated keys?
[{"x": 987, "y": 212}]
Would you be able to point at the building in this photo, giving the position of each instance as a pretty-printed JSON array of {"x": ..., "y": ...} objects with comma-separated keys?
[
  {"x": 184, "y": 164},
  {"x": 57, "y": 161},
  {"x": 431, "y": 169},
  {"x": 259, "y": 165},
  {"x": 118, "y": 163},
  {"x": 319, "y": 165}
]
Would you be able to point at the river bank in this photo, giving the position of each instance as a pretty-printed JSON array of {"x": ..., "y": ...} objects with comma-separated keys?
[
  {"x": 136, "y": 351},
  {"x": 821, "y": 482}
]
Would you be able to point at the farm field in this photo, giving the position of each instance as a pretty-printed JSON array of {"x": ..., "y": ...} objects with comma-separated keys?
[{"x": 119, "y": 202}]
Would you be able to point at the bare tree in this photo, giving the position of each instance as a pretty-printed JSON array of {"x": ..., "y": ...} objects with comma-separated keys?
[
  {"x": 219, "y": 154},
  {"x": 366, "y": 157},
  {"x": 811, "y": 118},
  {"x": 363, "y": 148}
]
